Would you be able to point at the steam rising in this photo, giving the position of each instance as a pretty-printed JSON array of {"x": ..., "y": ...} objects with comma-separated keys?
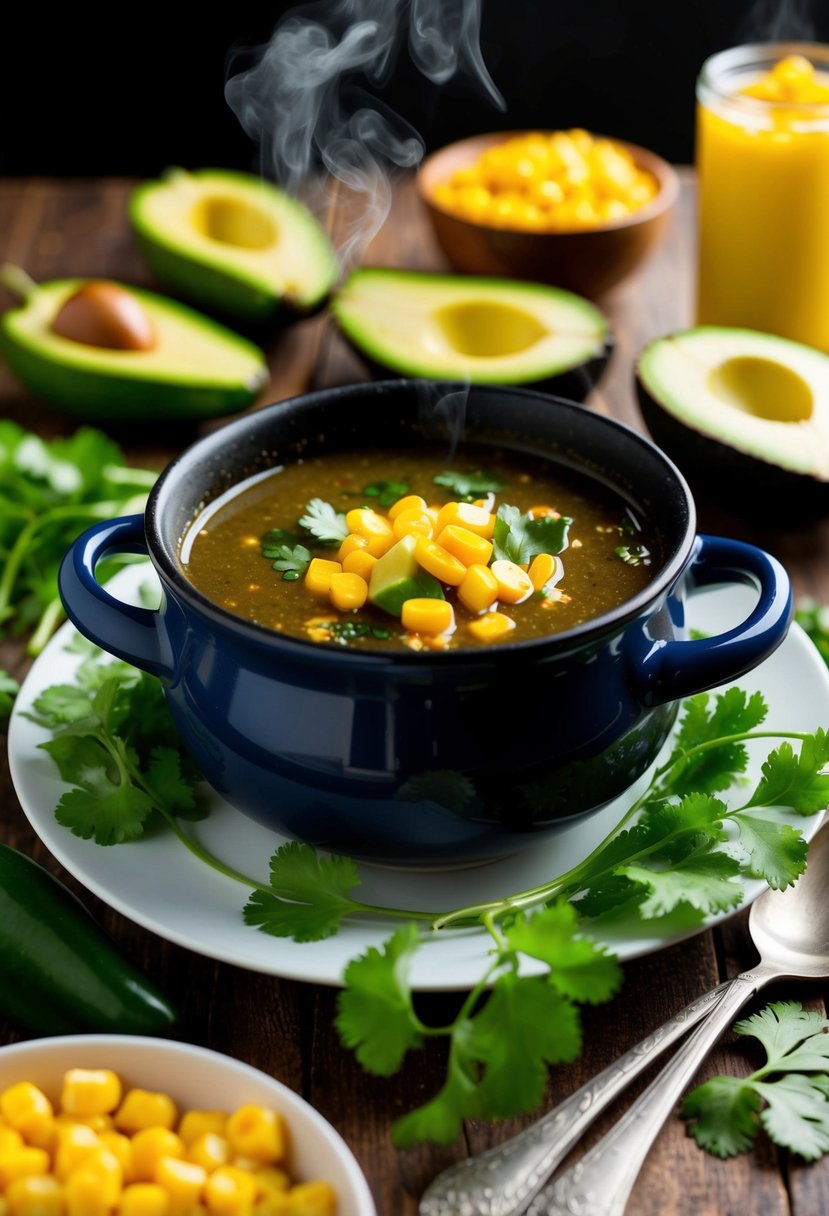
[
  {"x": 307, "y": 99},
  {"x": 771, "y": 21}
]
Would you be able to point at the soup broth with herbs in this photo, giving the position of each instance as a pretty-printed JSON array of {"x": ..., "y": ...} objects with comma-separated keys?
[{"x": 400, "y": 549}]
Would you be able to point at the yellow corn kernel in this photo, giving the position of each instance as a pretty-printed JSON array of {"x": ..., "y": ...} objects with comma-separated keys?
[
  {"x": 26, "y": 1108},
  {"x": 414, "y": 522},
  {"x": 120, "y": 1147},
  {"x": 316, "y": 1198},
  {"x": 37, "y": 1195},
  {"x": 347, "y": 591},
  {"x": 21, "y": 1162},
  {"x": 351, "y": 544},
  {"x": 83, "y": 1195},
  {"x": 271, "y": 1181},
  {"x": 434, "y": 558},
  {"x": 105, "y": 1168},
  {"x": 318, "y": 575},
  {"x": 479, "y": 589},
  {"x": 468, "y": 547},
  {"x": 410, "y": 502},
  {"x": 258, "y": 1132},
  {"x": 210, "y": 1150},
  {"x": 367, "y": 523},
  {"x": 476, "y": 519},
  {"x": 359, "y": 561},
  {"x": 73, "y": 1144},
  {"x": 229, "y": 1191},
  {"x": 144, "y": 1199},
  {"x": 545, "y": 568},
  {"x": 514, "y": 584},
  {"x": 195, "y": 1123},
  {"x": 274, "y": 1204},
  {"x": 543, "y": 511},
  {"x": 90, "y": 1091},
  {"x": 427, "y": 616},
  {"x": 182, "y": 1180},
  {"x": 148, "y": 1147},
  {"x": 491, "y": 626},
  {"x": 98, "y": 1123},
  {"x": 9, "y": 1139}
]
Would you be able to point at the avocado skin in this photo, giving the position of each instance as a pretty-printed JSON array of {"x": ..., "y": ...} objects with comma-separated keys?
[
  {"x": 576, "y": 383},
  {"x": 745, "y": 486},
  {"x": 94, "y": 395}
]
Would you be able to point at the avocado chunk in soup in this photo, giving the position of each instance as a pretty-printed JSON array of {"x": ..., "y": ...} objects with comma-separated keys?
[{"x": 402, "y": 549}]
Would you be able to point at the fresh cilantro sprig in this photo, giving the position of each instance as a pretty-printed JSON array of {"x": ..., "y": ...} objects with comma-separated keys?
[
  {"x": 324, "y": 522},
  {"x": 49, "y": 492},
  {"x": 519, "y": 538},
  {"x": 386, "y": 492},
  {"x": 679, "y": 847},
  {"x": 469, "y": 484},
  {"x": 788, "y": 1095}
]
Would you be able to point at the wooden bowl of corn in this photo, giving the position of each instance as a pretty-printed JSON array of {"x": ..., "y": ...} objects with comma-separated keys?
[{"x": 569, "y": 208}]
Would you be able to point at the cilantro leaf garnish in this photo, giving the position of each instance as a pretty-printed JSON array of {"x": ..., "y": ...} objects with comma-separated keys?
[
  {"x": 519, "y": 538},
  {"x": 375, "y": 1013},
  {"x": 633, "y": 555},
  {"x": 788, "y": 1095},
  {"x": 290, "y": 560},
  {"x": 308, "y": 895},
  {"x": 324, "y": 522},
  {"x": 386, "y": 492},
  {"x": 469, "y": 484}
]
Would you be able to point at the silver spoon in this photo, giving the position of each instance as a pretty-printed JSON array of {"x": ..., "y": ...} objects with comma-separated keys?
[
  {"x": 791, "y": 932},
  {"x": 504, "y": 1180}
]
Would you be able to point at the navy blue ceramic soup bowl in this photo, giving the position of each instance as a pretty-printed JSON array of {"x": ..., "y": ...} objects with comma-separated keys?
[{"x": 425, "y": 759}]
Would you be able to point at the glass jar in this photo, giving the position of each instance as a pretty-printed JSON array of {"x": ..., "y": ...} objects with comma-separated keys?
[{"x": 763, "y": 212}]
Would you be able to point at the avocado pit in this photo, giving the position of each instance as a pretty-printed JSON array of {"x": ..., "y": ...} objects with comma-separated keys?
[{"x": 104, "y": 314}]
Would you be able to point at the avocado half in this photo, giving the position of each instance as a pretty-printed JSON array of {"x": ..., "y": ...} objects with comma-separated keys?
[
  {"x": 196, "y": 369},
  {"x": 233, "y": 244},
  {"x": 480, "y": 330},
  {"x": 744, "y": 414}
]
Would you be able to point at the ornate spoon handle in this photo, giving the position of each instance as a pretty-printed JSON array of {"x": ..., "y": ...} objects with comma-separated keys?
[
  {"x": 502, "y": 1181},
  {"x": 600, "y": 1183}
]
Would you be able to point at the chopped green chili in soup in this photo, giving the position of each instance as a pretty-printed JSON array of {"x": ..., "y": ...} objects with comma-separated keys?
[{"x": 395, "y": 549}]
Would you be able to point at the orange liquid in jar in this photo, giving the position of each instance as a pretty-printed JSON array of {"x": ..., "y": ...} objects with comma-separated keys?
[{"x": 763, "y": 167}]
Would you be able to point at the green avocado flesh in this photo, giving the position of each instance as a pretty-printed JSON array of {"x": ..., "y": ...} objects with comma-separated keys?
[
  {"x": 196, "y": 369},
  {"x": 397, "y": 577},
  {"x": 232, "y": 243},
  {"x": 496, "y": 331},
  {"x": 748, "y": 411}
]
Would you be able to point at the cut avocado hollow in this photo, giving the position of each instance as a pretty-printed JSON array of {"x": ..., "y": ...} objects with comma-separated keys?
[
  {"x": 196, "y": 369},
  {"x": 745, "y": 415},
  {"x": 233, "y": 244},
  {"x": 479, "y": 330},
  {"x": 397, "y": 577}
]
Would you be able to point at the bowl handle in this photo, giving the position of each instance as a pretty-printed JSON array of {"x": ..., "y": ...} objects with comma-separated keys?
[
  {"x": 122, "y": 629},
  {"x": 670, "y": 670}
]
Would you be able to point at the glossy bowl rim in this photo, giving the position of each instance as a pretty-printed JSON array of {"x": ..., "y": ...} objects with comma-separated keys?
[
  {"x": 169, "y": 569},
  {"x": 148, "y": 1045},
  {"x": 665, "y": 173}
]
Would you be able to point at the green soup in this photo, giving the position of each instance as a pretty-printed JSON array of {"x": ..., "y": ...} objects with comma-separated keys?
[{"x": 266, "y": 550}]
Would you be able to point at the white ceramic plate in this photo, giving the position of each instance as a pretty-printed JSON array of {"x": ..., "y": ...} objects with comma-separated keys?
[{"x": 161, "y": 886}]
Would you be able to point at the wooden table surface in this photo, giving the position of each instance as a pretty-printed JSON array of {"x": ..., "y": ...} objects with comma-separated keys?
[{"x": 63, "y": 228}]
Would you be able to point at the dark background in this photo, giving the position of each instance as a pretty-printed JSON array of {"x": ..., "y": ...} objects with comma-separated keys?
[{"x": 130, "y": 91}]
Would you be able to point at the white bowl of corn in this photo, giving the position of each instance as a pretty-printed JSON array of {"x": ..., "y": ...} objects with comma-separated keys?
[{"x": 118, "y": 1125}]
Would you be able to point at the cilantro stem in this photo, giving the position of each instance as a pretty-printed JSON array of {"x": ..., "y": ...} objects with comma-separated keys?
[
  {"x": 205, "y": 855},
  {"x": 48, "y": 622},
  {"x": 20, "y": 548}
]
